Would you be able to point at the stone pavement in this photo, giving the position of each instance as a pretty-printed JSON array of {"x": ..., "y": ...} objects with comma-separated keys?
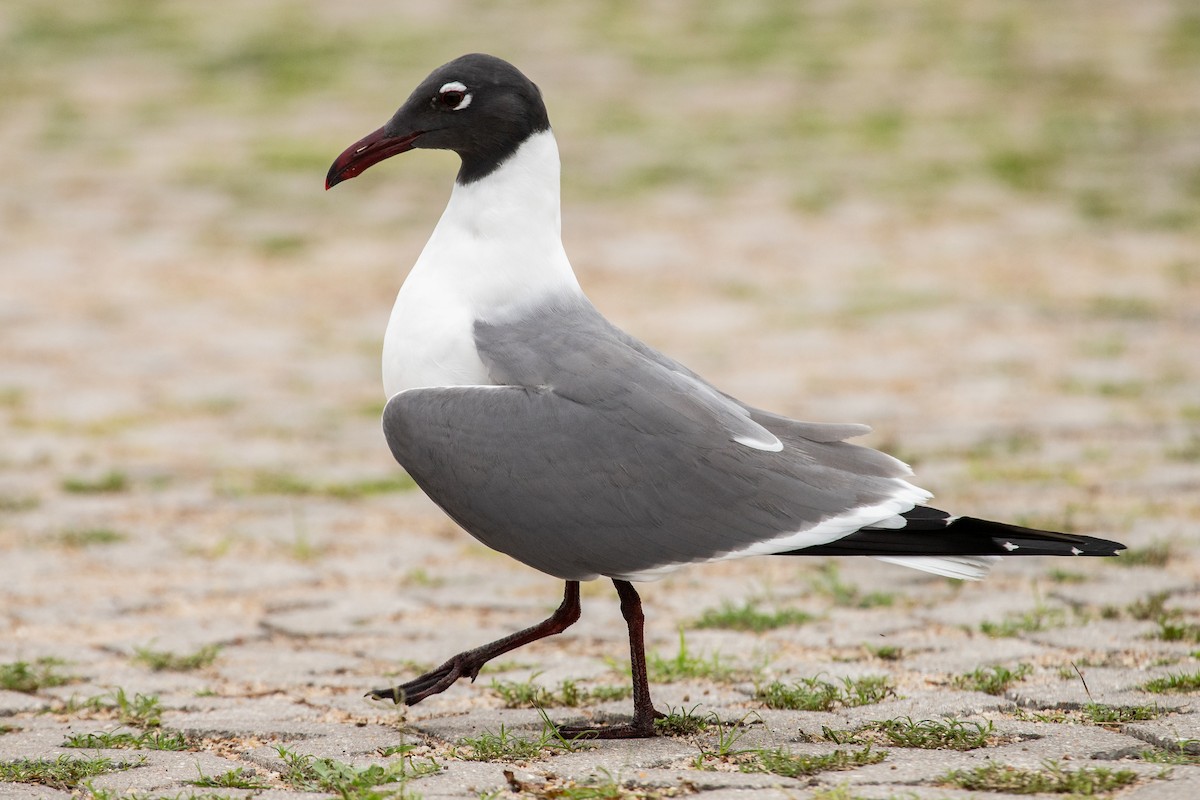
[{"x": 302, "y": 632}]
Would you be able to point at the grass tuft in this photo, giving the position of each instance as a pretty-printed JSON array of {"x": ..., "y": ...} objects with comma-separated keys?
[
  {"x": 1100, "y": 714},
  {"x": 1039, "y": 619},
  {"x": 239, "y": 778},
  {"x": 286, "y": 483},
  {"x": 1170, "y": 630},
  {"x": 684, "y": 722},
  {"x": 814, "y": 694},
  {"x": 505, "y": 746},
  {"x": 65, "y": 772},
  {"x": 1158, "y": 554},
  {"x": 1052, "y": 778},
  {"x": 993, "y": 680},
  {"x": 311, "y": 774},
  {"x": 162, "y": 660},
  {"x": 139, "y": 711},
  {"x": 1181, "y": 683},
  {"x": 1059, "y": 575},
  {"x": 142, "y": 710},
  {"x": 885, "y": 652},
  {"x": 124, "y": 740},
  {"x": 925, "y": 734},
  {"x": 846, "y": 595},
  {"x": 499, "y": 746},
  {"x": 18, "y": 502},
  {"x": 110, "y": 482},
  {"x": 748, "y": 617},
  {"x": 1123, "y": 308},
  {"x": 29, "y": 677},
  {"x": 527, "y": 694},
  {"x": 1180, "y": 757},
  {"x": 798, "y": 765},
  {"x": 89, "y": 537},
  {"x": 1024, "y": 170},
  {"x": 778, "y": 761},
  {"x": 1151, "y": 607},
  {"x": 684, "y": 666}
]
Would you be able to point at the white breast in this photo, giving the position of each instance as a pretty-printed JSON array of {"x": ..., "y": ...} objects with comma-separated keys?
[
  {"x": 429, "y": 343},
  {"x": 496, "y": 252}
]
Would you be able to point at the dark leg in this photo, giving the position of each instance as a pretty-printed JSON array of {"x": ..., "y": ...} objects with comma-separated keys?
[
  {"x": 644, "y": 714},
  {"x": 469, "y": 663}
]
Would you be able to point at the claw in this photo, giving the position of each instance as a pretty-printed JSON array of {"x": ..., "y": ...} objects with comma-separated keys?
[{"x": 395, "y": 694}]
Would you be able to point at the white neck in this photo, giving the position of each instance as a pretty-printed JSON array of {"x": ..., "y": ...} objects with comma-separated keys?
[
  {"x": 496, "y": 253},
  {"x": 499, "y": 239}
]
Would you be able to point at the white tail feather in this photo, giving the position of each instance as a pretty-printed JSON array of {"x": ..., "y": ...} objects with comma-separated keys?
[{"x": 965, "y": 568}]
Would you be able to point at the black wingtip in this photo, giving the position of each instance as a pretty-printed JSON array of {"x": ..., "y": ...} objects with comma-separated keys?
[
  {"x": 1018, "y": 540},
  {"x": 931, "y": 532}
]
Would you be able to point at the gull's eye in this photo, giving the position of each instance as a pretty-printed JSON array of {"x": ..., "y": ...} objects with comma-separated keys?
[{"x": 453, "y": 96}]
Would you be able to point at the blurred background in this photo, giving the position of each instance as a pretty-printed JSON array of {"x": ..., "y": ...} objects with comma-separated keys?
[{"x": 974, "y": 225}]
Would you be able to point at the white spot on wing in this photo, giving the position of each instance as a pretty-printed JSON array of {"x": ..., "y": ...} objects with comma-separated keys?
[
  {"x": 772, "y": 445},
  {"x": 1009, "y": 546},
  {"x": 1075, "y": 551},
  {"x": 742, "y": 429}
]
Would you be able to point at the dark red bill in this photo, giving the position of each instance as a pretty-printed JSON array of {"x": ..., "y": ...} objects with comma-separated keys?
[{"x": 367, "y": 151}]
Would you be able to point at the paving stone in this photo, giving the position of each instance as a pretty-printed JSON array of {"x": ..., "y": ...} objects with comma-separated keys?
[
  {"x": 28, "y": 791},
  {"x": 282, "y": 665},
  {"x": 792, "y": 722},
  {"x": 1184, "y": 784},
  {"x": 711, "y": 780},
  {"x": 978, "y": 651},
  {"x": 341, "y": 616},
  {"x": 1174, "y": 732},
  {"x": 1070, "y": 742},
  {"x": 347, "y": 742},
  {"x": 909, "y": 767},
  {"x": 470, "y": 779},
  {"x": 749, "y": 794},
  {"x": 1138, "y": 583},
  {"x": 13, "y": 702},
  {"x": 929, "y": 706},
  {"x": 1109, "y": 686},
  {"x": 160, "y": 771},
  {"x": 1106, "y": 635},
  {"x": 267, "y": 716},
  {"x": 714, "y": 783}
]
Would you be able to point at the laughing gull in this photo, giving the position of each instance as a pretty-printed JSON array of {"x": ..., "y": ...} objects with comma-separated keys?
[{"x": 556, "y": 438}]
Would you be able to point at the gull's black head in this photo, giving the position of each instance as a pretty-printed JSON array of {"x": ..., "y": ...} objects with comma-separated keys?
[{"x": 479, "y": 106}]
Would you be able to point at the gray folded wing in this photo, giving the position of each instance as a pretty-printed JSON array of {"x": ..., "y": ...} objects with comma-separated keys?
[{"x": 597, "y": 459}]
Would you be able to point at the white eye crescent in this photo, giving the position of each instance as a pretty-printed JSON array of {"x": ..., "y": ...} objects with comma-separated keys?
[{"x": 454, "y": 96}]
